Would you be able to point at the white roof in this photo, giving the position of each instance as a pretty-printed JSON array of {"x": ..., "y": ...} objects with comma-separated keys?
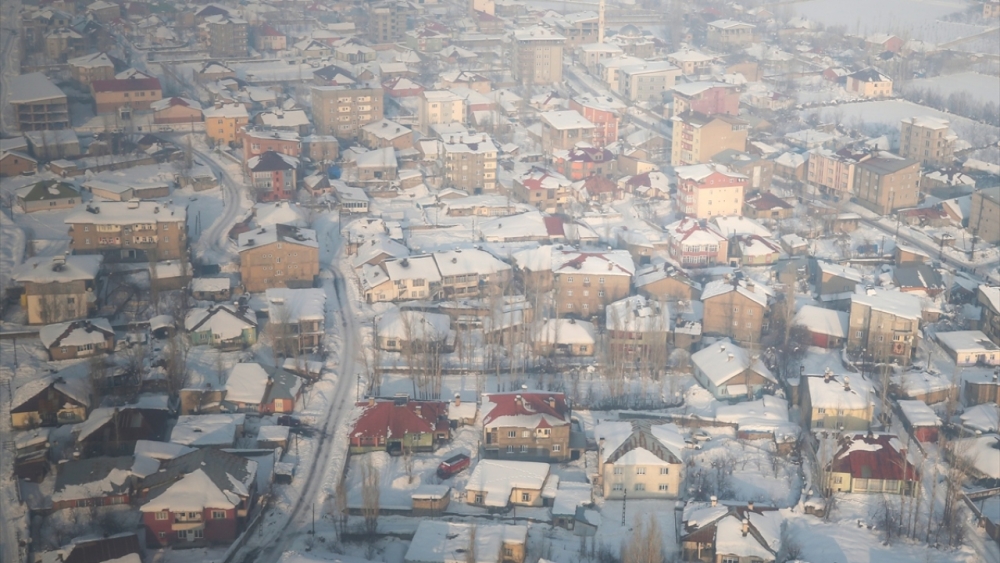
[
  {"x": 246, "y": 383},
  {"x": 757, "y": 292},
  {"x": 230, "y": 111},
  {"x": 295, "y": 305},
  {"x": 729, "y": 538},
  {"x": 919, "y": 414},
  {"x": 413, "y": 325},
  {"x": 530, "y": 224},
  {"x": 93, "y": 60},
  {"x": 32, "y": 87},
  {"x": 982, "y": 452},
  {"x": 823, "y": 321},
  {"x": 272, "y": 433},
  {"x": 291, "y": 161},
  {"x": 566, "y": 331},
  {"x": 616, "y": 432},
  {"x": 833, "y": 394},
  {"x": 278, "y": 233},
  {"x": 436, "y": 541},
  {"x": 896, "y": 303},
  {"x": 378, "y": 158},
  {"x": 984, "y": 417},
  {"x": 79, "y": 336},
  {"x": 284, "y": 118},
  {"x": 733, "y": 225},
  {"x": 127, "y": 213},
  {"x": 610, "y": 262},
  {"x": 570, "y": 495},
  {"x": 537, "y": 33},
  {"x": 637, "y": 314},
  {"x": 386, "y": 129},
  {"x": 206, "y": 429},
  {"x": 468, "y": 261},
  {"x": 839, "y": 270},
  {"x": 767, "y": 414},
  {"x": 413, "y": 268},
  {"x": 729, "y": 24},
  {"x": 699, "y": 172},
  {"x": 566, "y": 119},
  {"x": 210, "y": 285},
  {"x": 690, "y": 55},
  {"x": 966, "y": 341},
  {"x": 225, "y": 323},
  {"x": 63, "y": 269},
  {"x": 649, "y": 67},
  {"x": 497, "y": 478},
  {"x": 193, "y": 493},
  {"x": 720, "y": 362}
]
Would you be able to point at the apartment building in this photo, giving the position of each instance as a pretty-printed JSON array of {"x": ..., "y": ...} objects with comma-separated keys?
[
  {"x": 604, "y": 112},
  {"x": 527, "y": 425},
  {"x": 586, "y": 282},
  {"x": 698, "y": 137},
  {"x": 708, "y": 190},
  {"x": 694, "y": 244},
  {"x": 470, "y": 163},
  {"x": 470, "y": 272},
  {"x": 88, "y": 68},
  {"x": 542, "y": 188},
  {"x": 563, "y": 129},
  {"x": 228, "y": 36},
  {"x": 579, "y": 163},
  {"x": 887, "y": 182},
  {"x": 224, "y": 123},
  {"x": 648, "y": 82},
  {"x": 837, "y": 402},
  {"x": 723, "y": 34},
  {"x": 638, "y": 329},
  {"x": 439, "y": 107},
  {"x": 706, "y": 98},
  {"x": 273, "y": 176},
  {"x": 869, "y": 83},
  {"x": 988, "y": 297},
  {"x": 38, "y": 103},
  {"x": 259, "y": 141},
  {"x": 129, "y": 231},
  {"x": 691, "y": 61},
  {"x": 537, "y": 56},
  {"x": 387, "y": 21},
  {"x": 884, "y": 324},
  {"x": 758, "y": 170},
  {"x": 833, "y": 171},
  {"x": 984, "y": 215},
  {"x": 278, "y": 256},
  {"x": 343, "y": 110},
  {"x": 578, "y": 28},
  {"x": 737, "y": 308},
  {"x": 64, "y": 43},
  {"x": 929, "y": 140},
  {"x": 136, "y": 92}
]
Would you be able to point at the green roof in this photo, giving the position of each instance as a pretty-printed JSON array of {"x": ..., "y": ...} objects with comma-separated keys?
[{"x": 46, "y": 190}]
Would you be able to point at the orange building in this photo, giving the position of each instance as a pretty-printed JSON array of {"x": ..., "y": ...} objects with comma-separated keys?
[{"x": 136, "y": 93}]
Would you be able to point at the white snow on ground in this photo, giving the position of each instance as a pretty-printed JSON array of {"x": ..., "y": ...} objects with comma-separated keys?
[
  {"x": 863, "y": 18},
  {"x": 981, "y": 87},
  {"x": 12, "y": 242}
]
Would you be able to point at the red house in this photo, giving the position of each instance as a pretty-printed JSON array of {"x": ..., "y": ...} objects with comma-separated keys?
[
  {"x": 273, "y": 175},
  {"x": 920, "y": 420},
  {"x": 201, "y": 497},
  {"x": 604, "y": 112},
  {"x": 391, "y": 424}
]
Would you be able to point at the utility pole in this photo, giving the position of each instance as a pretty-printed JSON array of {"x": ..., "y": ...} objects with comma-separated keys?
[{"x": 624, "y": 503}]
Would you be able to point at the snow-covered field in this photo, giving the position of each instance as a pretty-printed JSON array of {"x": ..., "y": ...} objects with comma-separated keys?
[
  {"x": 981, "y": 87},
  {"x": 915, "y": 18}
]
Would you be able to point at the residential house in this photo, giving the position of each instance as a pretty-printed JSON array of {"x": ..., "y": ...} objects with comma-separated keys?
[
  {"x": 471, "y": 272},
  {"x": 837, "y": 402},
  {"x": 647, "y": 82},
  {"x": 470, "y": 163},
  {"x": 920, "y": 420},
  {"x": 224, "y": 123},
  {"x": 637, "y": 330},
  {"x": 873, "y": 463},
  {"x": 835, "y": 283},
  {"x": 258, "y": 141},
  {"x": 278, "y": 256},
  {"x": 273, "y": 176},
  {"x": 138, "y": 92},
  {"x": 113, "y": 431},
  {"x": 638, "y": 459},
  {"x": 296, "y": 320},
  {"x": 585, "y": 282},
  {"x": 827, "y": 328},
  {"x": 223, "y": 326},
  {"x": 228, "y": 36},
  {"x": 51, "y": 400},
  {"x": 545, "y": 189},
  {"x": 55, "y": 146},
  {"x": 731, "y": 373},
  {"x": 175, "y": 110},
  {"x": 397, "y": 331},
  {"x": 921, "y": 278},
  {"x": 564, "y": 337},
  {"x": 465, "y": 79},
  {"x": 886, "y": 183},
  {"x": 38, "y": 104},
  {"x": 254, "y": 388},
  {"x": 77, "y": 339},
  {"x": 377, "y": 167},
  {"x": 755, "y": 250},
  {"x": 98, "y": 481},
  {"x": 582, "y": 162},
  {"x": 16, "y": 163},
  {"x": 694, "y": 244},
  {"x": 706, "y": 98},
  {"x": 350, "y": 198},
  {"x": 988, "y": 298},
  {"x": 132, "y": 231},
  {"x": 691, "y": 62},
  {"x": 47, "y": 195},
  {"x": 386, "y": 133},
  {"x": 716, "y": 533},
  {"x": 439, "y": 107},
  {"x": 869, "y": 83},
  {"x": 406, "y": 278},
  {"x": 698, "y": 137},
  {"x": 499, "y": 484},
  {"x": 211, "y": 289},
  {"x": 737, "y": 308},
  {"x": 834, "y": 171},
  {"x": 765, "y": 205},
  {"x": 211, "y": 430},
  {"x": 563, "y": 129},
  {"x": 57, "y": 288},
  {"x": 969, "y": 347},
  {"x": 758, "y": 170},
  {"x": 653, "y": 184},
  {"x": 399, "y": 425},
  {"x": 885, "y": 325},
  {"x": 706, "y": 190},
  {"x": 267, "y": 38},
  {"x": 126, "y": 547},
  {"x": 437, "y": 541},
  {"x": 603, "y": 112},
  {"x": 663, "y": 282},
  {"x": 527, "y": 425},
  {"x": 91, "y": 67}
]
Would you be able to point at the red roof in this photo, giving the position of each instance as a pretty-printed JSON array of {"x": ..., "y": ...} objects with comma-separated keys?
[
  {"x": 554, "y": 226},
  {"x": 269, "y": 30},
  {"x": 125, "y": 85},
  {"x": 526, "y": 403},
  {"x": 874, "y": 456},
  {"x": 388, "y": 419},
  {"x": 640, "y": 180}
]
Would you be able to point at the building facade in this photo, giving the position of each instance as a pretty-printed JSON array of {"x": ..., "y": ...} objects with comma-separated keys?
[
  {"x": 343, "y": 110},
  {"x": 537, "y": 56}
]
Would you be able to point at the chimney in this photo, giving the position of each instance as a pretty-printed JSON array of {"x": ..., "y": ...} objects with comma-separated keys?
[
  {"x": 552, "y": 402},
  {"x": 371, "y": 401},
  {"x": 730, "y": 358},
  {"x": 524, "y": 387},
  {"x": 713, "y": 500},
  {"x": 417, "y": 410},
  {"x": 827, "y": 376},
  {"x": 746, "y": 527},
  {"x": 847, "y": 383},
  {"x": 749, "y": 505},
  {"x": 458, "y": 400}
]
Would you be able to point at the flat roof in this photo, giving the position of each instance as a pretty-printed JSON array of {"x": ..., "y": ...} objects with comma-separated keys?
[{"x": 33, "y": 87}]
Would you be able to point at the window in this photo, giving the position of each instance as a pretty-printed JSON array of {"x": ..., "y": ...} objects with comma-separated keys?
[
  {"x": 838, "y": 480},
  {"x": 619, "y": 470},
  {"x": 162, "y": 515},
  {"x": 524, "y": 449},
  {"x": 664, "y": 488},
  {"x": 736, "y": 309},
  {"x": 730, "y": 559},
  {"x": 163, "y": 534},
  {"x": 199, "y": 533},
  {"x": 525, "y": 497},
  {"x": 569, "y": 293},
  {"x": 512, "y": 434},
  {"x": 640, "y": 486},
  {"x": 508, "y": 552},
  {"x": 526, "y": 433},
  {"x": 618, "y": 487},
  {"x": 600, "y": 281},
  {"x": 640, "y": 470},
  {"x": 510, "y": 449},
  {"x": 664, "y": 471},
  {"x": 182, "y": 534},
  {"x": 820, "y": 410},
  {"x": 569, "y": 279},
  {"x": 218, "y": 514},
  {"x": 858, "y": 334},
  {"x": 556, "y": 447}
]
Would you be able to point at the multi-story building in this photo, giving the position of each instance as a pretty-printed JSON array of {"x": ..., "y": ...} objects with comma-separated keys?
[
  {"x": 386, "y": 133},
  {"x": 833, "y": 171},
  {"x": 296, "y": 319},
  {"x": 563, "y": 129},
  {"x": 470, "y": 163},
  {"x": 228, "y": 36},
  {"x": 267, "y": 38},
  {"x": 129, "y": 231},
  {"x": 439, "y": 107},
  {"x": 610, "y": 70},
  {"x": 537, "y": 56},
  {"x": 125, "y": 95},
  {"x": 691, "y": 61},
  {"x": 585, "y": 282},
  {"x": 259, "y": 141},
  {"x": 583, "y": 162},
  {"x": 885, "y": 325},
  {"x": 758, "y": 170},
  {"x": 737, "y": 308},
  {"x": 988, "y": 297},
  {"x": 694, "y": 244},
  {"x": 836, "y": 402},
  {"x": 869, "y": 83},
  {"x": 886, "y": 182},
  {"x": 387, "y": 21},
  {"x": 527, "y": 425},
  {"x": 343, "y": 110},
  {"x": 578, "y": 28},
  {"x": 38, "y": 103},
  {"x": 698, "y": 137},
  {"x": 984, "y": 215},
  {"x": 88, "y": 68},
  {"x": 278, "y": 256},
  {"x": 224, "y": 123},
  {"x": 273, "y": 175},
  {"x": 723, "y": 34},
  {"x": 927, "y": 139},
  {"x": 104, "y": 12},
  {"x": 707, "y": 190},
  {"x": 637, "y": 459},
  {"x": 545, "y": 189},
  {"x": 411, "y": 277},
  {"x": 470, "y": 272},
  {"x": 706, "y": 98},
  {"x": 64, "y": 43},
  {"x": 466, "y": 79},
  {"x": 604, "y": 112},
  {"x": 647, "y": 82},
  {"x": 637, "y": 329},
  {"x": 57, "y": 288}
]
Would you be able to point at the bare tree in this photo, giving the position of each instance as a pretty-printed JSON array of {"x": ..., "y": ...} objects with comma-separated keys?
[
  {"x": 340, "y": 506},
  {"x": 408, "y": 462},
  {"x": 645, "y": 544},
  {"x": 370, "y": 496},
  {"x": 97, "y": 373},
  {"x": 470, "y": 552},
  {"x": 176, "y": 363}
]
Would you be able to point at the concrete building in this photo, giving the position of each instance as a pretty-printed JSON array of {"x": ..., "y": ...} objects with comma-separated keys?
[
  {"x": 706, "y": 98},
  {"x": 129, "y": 231},
  {"x": 737, "y": 308},
  {"x": 637, "y": 459},
  {"x": 343, "y": 110},
  {"x": 58, "y": 288},
  {"x": 691, "y": 61},
  {"x": 537, "y": 56},
  {"x": 836, "y": 402},
  {"x": 929, "y": 140},
  {"x": 124, "y": 96},
  {"x": 278, "y": 256},
  {"x": 387, "y": 21},
  {"x": 604, "y": 112},
  {"x": 886, "y": 183},
  {"x": 869, "y": 83},
  {"x": 885, "y": 325},
  {"x": 527, "y": 425},
  {"x": 723, "y": 34},
  {"x": 833, "y": 171},
  {"x": 564, "y": 129},
  {"x": 647, "y": 82},
  {"x": 586, "y": 282},
  {"x": 88, "y": 68},
  {"x": 224, "y": 123},
  {"x": 984, "y": 215},
  {"x": 386, "y": 133},
  {"x": 698, "y": 137},
  {"x": 470, "y": 163},
  {"x": 38, "y": 103},
  {"x": 708, "y": 190},
  {"x": 228, "y": 36},
  {"x": 439, "y": 107}
]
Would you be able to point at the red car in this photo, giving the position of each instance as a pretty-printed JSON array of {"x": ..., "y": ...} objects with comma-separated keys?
[{"x": 452, "y": 465}]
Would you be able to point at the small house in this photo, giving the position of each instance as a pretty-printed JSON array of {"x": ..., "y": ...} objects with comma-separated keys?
[
  {"x": 399, "y": 425},
  {"x": 46, "y": 196},
  {"x": 920, "y": 420},
  {"x": 51, "y": 400},
  {"x": 77, "y": 339},
  {"x": 222, "y": 326},
  {"x": 430, "y": 500},
  {"x": 211, "y": 289},
  {"x": 498, "y": 484}
]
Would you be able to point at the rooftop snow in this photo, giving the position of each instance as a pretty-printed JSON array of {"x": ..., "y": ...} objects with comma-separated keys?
[
  {"x": 62, "y": 269},
  {"x": 498, "y": 478},
  {"x": 823, "y": 321},
  {"x": 33, "y": 87},
  {"x": 723, "y": 360},
  {"x": 896, "y": 303},
  {"x": 295, "y": 305},
  {"x": 436, "y": 541},
  {"x": 206, "y": 430}
]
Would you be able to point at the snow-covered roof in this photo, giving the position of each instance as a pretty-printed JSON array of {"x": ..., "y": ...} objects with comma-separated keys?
[
  {"x": 246, "y": 383},
  {"x": 767, "y": 414},
  {"x": 279, "y": 212},
  {"x": 497, "y": 478},
  {"x": 223, "y": 321},
  {"x": 413, "y": 325},
  {"x": 611, "y": 262},
  {"x": 227, "y": 111},
  {"x": 730, "y": 539},
  {"x": 917, "y": 413},
  {"x": 833, "y": 391},
  {"x": 721, "y": 361},
  {"x": 897, "y": 303},
  {"x": 699, "y": 172},
  {"x": 61, "y": 269},
  {"x": 966, "y": 341},
  {"x": 76, "y": 333},
  {"x": 839, "y": 270},
  {"x": 570, "y": 495},
  {"x": 436, "y": 541},
  {"x": 566, "y": 331},
  {"x": 468, "y": 261},
  {"x": 537, "y": 33},
  {"x": 206, "y": 429},
  {"x": 637, "y": 314},
  {"x": 278, "y": 233},
  {"x": 32, "y": 87},
  {"x": 823, "y": 321},
  {"x": 210, "y": 285},
  {"x": 754, "y": 291},
  {"x": 192, "y": 493},
  {"x": 984, "y": 417},
  {"x": 295, "y": 305},
  {"x": 566, "y": 119},
  {"x": 735, "y": 225},
  {"x": 639, "y": 443},
  {"x": 92, "y": 478}
]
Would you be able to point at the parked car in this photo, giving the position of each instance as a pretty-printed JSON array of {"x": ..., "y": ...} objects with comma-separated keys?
[
  {"x": 287, "y": 420},
  {"x": 700, "y": 435},
  {"x": 453, "y": 465}
]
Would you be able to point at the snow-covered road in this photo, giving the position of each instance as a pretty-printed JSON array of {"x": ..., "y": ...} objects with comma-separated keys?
[
  {"x": 213, "y": 245},
  {"x": 10, "y": 51}
]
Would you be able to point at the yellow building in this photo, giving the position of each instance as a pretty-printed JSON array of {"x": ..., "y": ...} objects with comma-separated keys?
[
  {"x": 278, "y": 256},
  {"x": 698, "y": 137},
  {"x": 224, "y": 123},
  {"x": 836, "y": 402},
  {"x": 869, "y": 83},
  {"x": 639, "y": 460}
]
